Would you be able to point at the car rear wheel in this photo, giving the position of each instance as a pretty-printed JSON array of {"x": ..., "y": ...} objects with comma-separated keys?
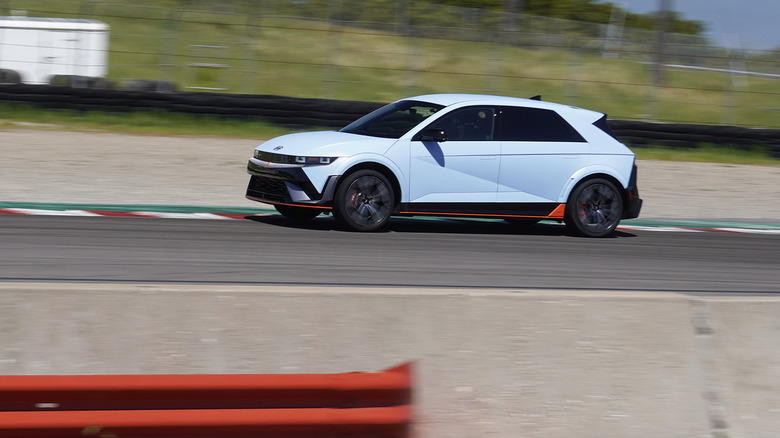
[
  {"x": 297, "y": 213},
  {"x": 364, "y": 201},
  {"x": 594, "y": 208}
]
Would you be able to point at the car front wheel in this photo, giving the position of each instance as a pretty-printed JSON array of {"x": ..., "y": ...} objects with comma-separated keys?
[
  {"x": 364, "y": 201},
  {"x": 594, "y": 208}
]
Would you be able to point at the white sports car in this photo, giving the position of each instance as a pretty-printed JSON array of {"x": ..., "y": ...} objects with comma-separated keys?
[{"x": 522, "y": 160}]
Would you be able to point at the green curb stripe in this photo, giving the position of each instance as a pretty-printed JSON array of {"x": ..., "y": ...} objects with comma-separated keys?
[
  {"x": 127, "y": 208},
  {"x": 699, "y": 225}
]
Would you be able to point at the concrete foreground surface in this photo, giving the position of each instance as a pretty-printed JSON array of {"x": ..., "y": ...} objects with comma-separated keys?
[{"x": 488, "y": 363}]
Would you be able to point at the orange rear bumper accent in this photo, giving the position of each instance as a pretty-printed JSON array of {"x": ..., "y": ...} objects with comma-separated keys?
[{"x": 558, "y": 212}]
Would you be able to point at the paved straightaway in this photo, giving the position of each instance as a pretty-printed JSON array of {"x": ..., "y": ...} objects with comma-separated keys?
[{"x": 274, "y": 250}]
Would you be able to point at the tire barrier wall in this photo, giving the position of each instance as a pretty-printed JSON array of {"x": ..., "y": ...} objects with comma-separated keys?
[
  {"x": 689, "y": 136},
  {"x": 211, "y": 405},
  {"x": 335, "y": 114},
  {"x": 277, "y": 109}
]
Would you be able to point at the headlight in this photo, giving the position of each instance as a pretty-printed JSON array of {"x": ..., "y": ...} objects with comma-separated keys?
[{"x": 314, "y": 160}]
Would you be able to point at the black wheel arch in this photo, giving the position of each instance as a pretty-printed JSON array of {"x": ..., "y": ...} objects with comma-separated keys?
[
  {"x": 606, "y": 223},
  {"x": 385, "y": 171},
  {"x": 608, "y": 177}
]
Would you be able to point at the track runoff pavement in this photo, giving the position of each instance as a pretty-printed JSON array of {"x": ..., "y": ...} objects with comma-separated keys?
[{"x": 97, "y": 173}]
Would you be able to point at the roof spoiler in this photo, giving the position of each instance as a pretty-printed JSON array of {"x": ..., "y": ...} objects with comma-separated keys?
[{"x": 604, "y": 126}]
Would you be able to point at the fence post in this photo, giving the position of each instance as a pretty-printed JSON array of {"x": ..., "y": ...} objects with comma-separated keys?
[
  {"x": 734, "y": 80},
  {"x": 662, "y": 27},
  {"x": 168, "y": 48},
  {"x": 572, "y": 92},
  {"x": 494, "y": 61},
  {"x": 404, "y": 26},
  {"x": 330, "y": 71},
  {"x": 613, "y": 38},
  {"x": 245, "y": 76},
  {"x": 86, "y": 8}
]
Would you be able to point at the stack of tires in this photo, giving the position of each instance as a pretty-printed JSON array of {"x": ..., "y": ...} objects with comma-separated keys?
[{"x": 9, "y": 77}]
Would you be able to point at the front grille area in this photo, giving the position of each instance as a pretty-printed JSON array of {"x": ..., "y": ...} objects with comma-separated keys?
[
  {"x": 275, "y": 158},
  {"x": 271, "y": 189}
]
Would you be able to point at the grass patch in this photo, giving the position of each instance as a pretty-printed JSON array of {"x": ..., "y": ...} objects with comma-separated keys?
[
  {"x": 708, "y": 153},
  {"x": 139, "y": 122}
]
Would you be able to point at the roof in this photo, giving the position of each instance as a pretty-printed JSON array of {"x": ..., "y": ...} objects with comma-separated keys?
[
  {"x": 42, "y": 23},
  {"x": 448, "y": 99}
]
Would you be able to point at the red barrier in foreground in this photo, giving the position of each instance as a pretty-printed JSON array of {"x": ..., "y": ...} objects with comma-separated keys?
[{"x": 285, "y": 405}]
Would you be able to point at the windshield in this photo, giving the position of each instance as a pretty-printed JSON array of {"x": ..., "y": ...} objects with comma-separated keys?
[{"x": 394, "y": 120}]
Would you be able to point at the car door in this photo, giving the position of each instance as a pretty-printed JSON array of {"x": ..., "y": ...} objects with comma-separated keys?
[
  {"x": 464, "y": 167},
  {"x": 540, "y": 151}
]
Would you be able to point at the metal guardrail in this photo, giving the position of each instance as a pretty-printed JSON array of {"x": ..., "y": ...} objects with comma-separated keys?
[{"x": 290, "y": 405}]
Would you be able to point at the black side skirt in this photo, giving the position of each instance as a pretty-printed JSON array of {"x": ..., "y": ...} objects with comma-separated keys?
[{"x": 535, "y": 210}]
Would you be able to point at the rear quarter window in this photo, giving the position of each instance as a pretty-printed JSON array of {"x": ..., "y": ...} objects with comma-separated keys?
[{"x": 535, "y": 124}]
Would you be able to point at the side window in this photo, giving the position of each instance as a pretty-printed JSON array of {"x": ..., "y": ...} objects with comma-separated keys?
[
  {"x": 535, "y": 124},
  {"x": 468, "y": 124}
]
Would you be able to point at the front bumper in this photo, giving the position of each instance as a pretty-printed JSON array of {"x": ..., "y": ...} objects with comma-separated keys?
[{"x": 277, "y": 183}]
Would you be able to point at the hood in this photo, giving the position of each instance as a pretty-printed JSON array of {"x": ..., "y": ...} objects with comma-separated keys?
[{"x": 326, "y": 144}]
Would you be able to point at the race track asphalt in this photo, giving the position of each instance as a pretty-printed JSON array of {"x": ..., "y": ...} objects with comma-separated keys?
[{"x": 412, "y": 253}]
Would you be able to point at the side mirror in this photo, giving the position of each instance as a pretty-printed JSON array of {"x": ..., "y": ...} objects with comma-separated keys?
[{"x": 434, "y": 134}]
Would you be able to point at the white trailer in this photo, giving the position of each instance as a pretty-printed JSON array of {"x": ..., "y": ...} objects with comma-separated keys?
[{"x": 39, "y": 48}]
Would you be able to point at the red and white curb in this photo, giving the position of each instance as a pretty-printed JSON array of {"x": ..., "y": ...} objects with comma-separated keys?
[
  {"x": 146, "y": 214},
  {"x": 699, "y": 230},
  {"x": 240, "y": 216}
]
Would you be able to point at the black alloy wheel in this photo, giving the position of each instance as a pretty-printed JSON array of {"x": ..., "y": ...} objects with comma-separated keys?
[
  {"x": 594, "y": 209},
  {"x": 364, "y": 201}
]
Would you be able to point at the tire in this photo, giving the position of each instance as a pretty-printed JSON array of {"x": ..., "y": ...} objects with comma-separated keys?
[
  {"x": 364, "y": 201},
  {"x": 9, "y": 77},
  {"x": 594, "y": 208},
  {"x": 297, "y": 213},
  {"x": 148, "y": 85}
]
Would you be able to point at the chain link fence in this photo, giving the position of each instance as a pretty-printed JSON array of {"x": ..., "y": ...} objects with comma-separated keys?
[{"x": 383, "y": 50}]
